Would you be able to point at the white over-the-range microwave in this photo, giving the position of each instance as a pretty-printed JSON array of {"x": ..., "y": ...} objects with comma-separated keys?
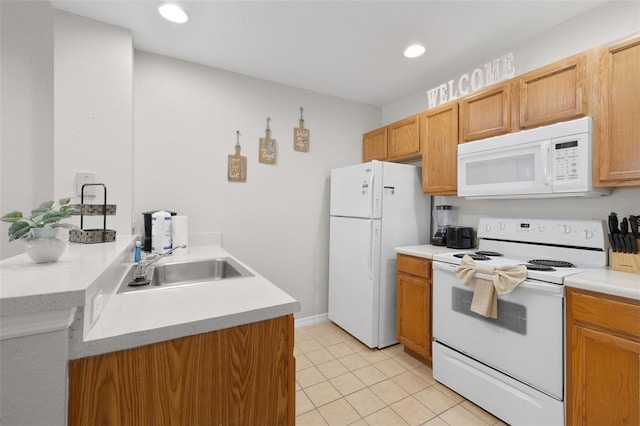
[{"x": 548, "y": 161}]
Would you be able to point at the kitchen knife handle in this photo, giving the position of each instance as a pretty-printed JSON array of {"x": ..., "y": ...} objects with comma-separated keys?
[
  {"x": 620, "y": 239},
  {"x": 612, "y": 243},
  {"x": 633, "y": 223},
  {"x": 627, "y": 242},
  {"x": 634, "y": 244}
]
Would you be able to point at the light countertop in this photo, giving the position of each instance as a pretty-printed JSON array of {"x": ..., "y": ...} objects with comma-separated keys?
[
  {"x": 427, "y": 250},
  {"x": 30, "y": 287},
  {"x": 603, "y": 280},
  {"x": 133, "y": 319},
  {"x": 607, "y": 281},
  {"x": 143, "y": 317}
]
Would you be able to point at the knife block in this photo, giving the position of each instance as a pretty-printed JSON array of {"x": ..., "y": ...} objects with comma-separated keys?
[{"x": 626, "y": 262}]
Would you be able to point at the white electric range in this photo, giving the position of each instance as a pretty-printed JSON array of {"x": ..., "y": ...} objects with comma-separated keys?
[{"x": 513, "y": 366}]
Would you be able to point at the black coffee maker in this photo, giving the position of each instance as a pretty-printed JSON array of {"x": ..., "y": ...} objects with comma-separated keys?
[{"x": 146, "y": 246}]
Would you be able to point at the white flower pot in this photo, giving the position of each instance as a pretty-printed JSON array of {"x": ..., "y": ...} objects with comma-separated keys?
[{"x": 45, "y": 247}]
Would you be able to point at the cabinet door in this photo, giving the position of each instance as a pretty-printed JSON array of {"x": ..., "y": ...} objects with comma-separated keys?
[
  {"x": 605, "y": 386},
  {"x": 486, "y": 114},
  {"x": 553, "y": 93},
  {"x": 618, "y": 155},
  {"x": 239, "y": 375},
  {"x": 603, "y": 359},
  {"x": 414, "y": 314},
  {"x": 440, "y": 150},
  {"x": 403, "y": 138},
  {"x": 374, "y": 145}
]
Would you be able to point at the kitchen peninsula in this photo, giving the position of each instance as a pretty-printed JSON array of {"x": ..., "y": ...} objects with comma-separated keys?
[{"x": 69, "y": 310}]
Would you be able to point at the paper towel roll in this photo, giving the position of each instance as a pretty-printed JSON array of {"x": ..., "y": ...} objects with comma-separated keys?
[{"x": 180, "y": 228}]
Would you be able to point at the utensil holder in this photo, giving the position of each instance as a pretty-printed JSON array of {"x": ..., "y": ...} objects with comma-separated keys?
[
  {"x": 626, "y": 262},
  {"x": 92, "y": 236}
]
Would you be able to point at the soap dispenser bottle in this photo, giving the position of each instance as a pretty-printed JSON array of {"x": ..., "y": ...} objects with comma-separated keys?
[{"x": 137, "y": 257}]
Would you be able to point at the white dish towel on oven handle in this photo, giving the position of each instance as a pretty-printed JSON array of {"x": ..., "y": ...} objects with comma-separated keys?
[{"x": 485, "y": 295}]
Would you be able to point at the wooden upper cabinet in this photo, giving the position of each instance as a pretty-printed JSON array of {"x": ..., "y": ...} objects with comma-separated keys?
[
  {"x": 486, "y": 113},
  {"x": 618, "y": 153},
  {"x": 556, "y": 92},
  {"x": 403, "y": 138},
  {"x": 374, "y": 145},
  {"x": 440, "y": 149}
]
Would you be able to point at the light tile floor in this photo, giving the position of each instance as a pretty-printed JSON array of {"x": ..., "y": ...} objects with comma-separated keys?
[{"x": 340, "y": 381}]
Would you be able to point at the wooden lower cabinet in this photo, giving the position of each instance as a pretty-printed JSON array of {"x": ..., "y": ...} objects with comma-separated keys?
[
  {"x": 243, "y": 375},
  {"x": 603, "y": 359},
  {"x": 414, "y": 304}
]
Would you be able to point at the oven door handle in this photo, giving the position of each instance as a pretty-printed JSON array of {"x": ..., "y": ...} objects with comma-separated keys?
[
  {"x": 531, "y": 285},
  {"x": 445, "y": 266}
]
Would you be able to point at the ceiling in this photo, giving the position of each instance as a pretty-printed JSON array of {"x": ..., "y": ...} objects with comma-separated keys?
[{"x": 350, "y": 49}]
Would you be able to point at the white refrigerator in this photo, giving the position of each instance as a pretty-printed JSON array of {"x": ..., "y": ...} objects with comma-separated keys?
[{"x": 375, "y": 207}]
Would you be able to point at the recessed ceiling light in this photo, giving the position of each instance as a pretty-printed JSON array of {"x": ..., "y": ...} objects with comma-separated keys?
[
  {"x": 414, "y": 51},
  {"x": 173, "y": 13}
]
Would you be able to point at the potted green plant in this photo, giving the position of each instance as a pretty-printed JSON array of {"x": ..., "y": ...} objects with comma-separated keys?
[{"x": 39, "y": 230}]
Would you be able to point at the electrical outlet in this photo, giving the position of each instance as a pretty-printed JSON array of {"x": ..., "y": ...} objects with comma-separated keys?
[
  {"x": 83, "y": 178},
  {"x": 96, "y": 306}
]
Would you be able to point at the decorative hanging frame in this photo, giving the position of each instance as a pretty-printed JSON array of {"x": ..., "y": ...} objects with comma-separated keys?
[
  {"x": 237, "y": 166},
  {"x": 301, "y": 136},
  {"x": 268, "y": 147}
]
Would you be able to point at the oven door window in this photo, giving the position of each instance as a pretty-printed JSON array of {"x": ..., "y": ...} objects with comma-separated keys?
[{"x": 511, "y": 316}]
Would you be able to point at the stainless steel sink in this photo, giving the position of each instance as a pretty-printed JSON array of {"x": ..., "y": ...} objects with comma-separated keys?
[{"x": 184, "y": 273}]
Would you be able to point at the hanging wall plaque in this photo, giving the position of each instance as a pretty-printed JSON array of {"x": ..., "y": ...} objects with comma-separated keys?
[
  {"x": 267, "y": 147},
  {"x": 237, "y": 168},
  {"x": 301, "y": 136}
]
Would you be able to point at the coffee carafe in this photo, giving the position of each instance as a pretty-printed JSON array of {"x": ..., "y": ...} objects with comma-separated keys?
[{"x": 443, "y": 216}]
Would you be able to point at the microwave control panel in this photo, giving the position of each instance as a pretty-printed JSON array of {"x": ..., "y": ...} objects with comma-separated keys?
[{"x": 566, "y": 160}]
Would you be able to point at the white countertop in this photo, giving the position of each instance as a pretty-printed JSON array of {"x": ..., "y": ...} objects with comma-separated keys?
[
  {"x": 29, "y": 287},
  {"x": 427, "y": 251},
  {"x": 142, "y": 317},
  {"x": 607, "y": 281},
  {"x": 603, "y": 280},
  {"x": 133, "y": 319}
]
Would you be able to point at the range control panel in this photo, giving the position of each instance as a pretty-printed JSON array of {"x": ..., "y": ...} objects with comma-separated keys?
[{"x": 574, "y": 233}]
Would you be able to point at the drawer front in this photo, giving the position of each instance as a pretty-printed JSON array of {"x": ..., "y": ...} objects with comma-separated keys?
[
  {"x": 413, "y": 265},
  {"x": 605, "y": 312}
]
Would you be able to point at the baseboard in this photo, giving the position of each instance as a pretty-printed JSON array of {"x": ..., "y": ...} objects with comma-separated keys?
[{"x": 312, "y": 320}]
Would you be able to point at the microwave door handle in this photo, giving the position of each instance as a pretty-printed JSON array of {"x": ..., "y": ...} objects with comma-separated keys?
[{"x": 546, "y": 162}]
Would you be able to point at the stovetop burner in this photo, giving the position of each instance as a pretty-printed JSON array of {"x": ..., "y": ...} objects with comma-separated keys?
[
  {"x": 531, "y": 267},
  {"x": 488, "y": 253},
  {"x": 474, "y": 256},
  {"x": 552, "y": 263}
]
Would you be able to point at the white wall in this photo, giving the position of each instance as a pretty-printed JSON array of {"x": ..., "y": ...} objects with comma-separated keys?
[
  {"x": 609, "y": 22},
  {"x": 94, "y": 114},
  {"x": 26, "y": 144},
  {"x": 277, "y": 222}
]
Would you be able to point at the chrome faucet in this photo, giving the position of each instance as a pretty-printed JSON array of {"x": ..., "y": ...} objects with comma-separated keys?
[{"x": 141, "y": 271}]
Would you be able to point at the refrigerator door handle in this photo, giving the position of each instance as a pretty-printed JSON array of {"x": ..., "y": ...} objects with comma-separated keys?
[
  {"x": 374, "y": 199},
  {"x": 370, "y": 260}
]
